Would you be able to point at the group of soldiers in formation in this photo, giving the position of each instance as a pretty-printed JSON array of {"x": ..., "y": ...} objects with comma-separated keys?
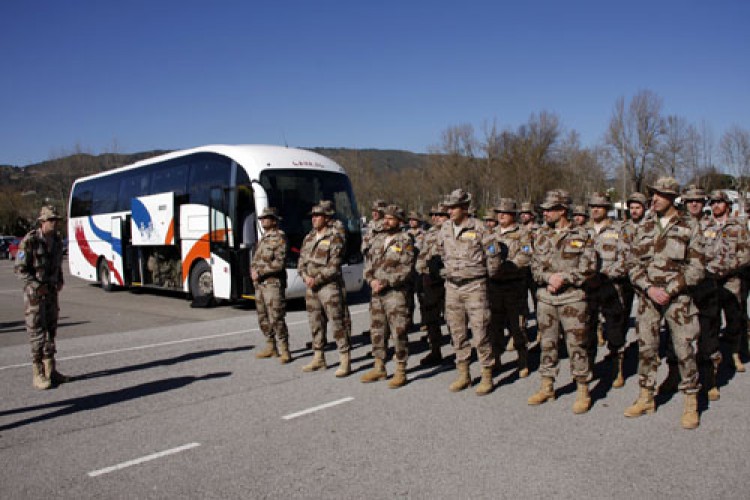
[{"x": 583, "y": 272}]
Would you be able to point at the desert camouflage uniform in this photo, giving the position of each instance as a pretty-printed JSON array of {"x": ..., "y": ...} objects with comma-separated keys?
[
  {"x": 391, "y": 262},
  {"x": 270, "y": 288},
  {"x": 338, "y": 226},
  {"x": 629, "y": 228},
  {"x": 465, "y": 260},
  {"x": 40, "y": 268},
  {"x": 671, "y": 258},
  {"x": 568, "y": 251},
  {"x": 415, "y": 281},
  {"x": 321, "y": 259},
  {"x": 429, "y": 266},
  {"x": 531, "y": 229}
]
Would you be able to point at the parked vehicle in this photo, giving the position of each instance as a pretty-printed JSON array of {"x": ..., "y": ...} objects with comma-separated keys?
[{"x": 13, "y": 247}]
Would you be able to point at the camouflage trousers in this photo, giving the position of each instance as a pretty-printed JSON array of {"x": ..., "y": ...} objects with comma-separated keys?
[
  {"x": 469, "y": 301},
  {"x": 607, "y": 300},
  {"x": 432, "y": 306},
  {"x": 270, "y": 303},
  {"x": 705, "y": 296},
  {"x": 41, "y": 314},
  {"x": 389, "y": 312},
  {"x": 731, "y": 301},
  {"x": 327, "y": 304},
  {"x": 507, "y": 307},
  {"x": 574, "y": 320},
  {"x": 681, "y": 316}
]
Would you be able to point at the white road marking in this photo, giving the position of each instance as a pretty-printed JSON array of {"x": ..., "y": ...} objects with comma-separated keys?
[
  {"x": 141, "y": 460},
  {"x": 317, "y": 408},
  {"x": 161, "y": 344}
]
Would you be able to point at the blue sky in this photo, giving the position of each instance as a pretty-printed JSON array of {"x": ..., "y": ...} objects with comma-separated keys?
[{"x": 140, "y": 75}]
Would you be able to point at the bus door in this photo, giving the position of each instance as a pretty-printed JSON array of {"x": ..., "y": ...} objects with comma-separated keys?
[
  {"x": 246, "y": 232},
  {"x": 117, "y": 269},
  {"x": 219, "y": 238}
]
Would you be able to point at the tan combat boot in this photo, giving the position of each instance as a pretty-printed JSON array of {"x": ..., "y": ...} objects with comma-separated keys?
[
  {"x": 399, "y": 378},
  {"x": 345, "y": 365},
  {"x": 738, "y": 363},
  {"x": 671, "y": 383},
  {"x": 485, "y": 385},
  {"x": 583, "y": 399},
  {"x": 618, "y": 379},
  {"x": 284, "y": 355},
  {"x": 690, "y": 418},
  {"x": 39, "y": 380},
  {"x": 270, "y": 350},
  {"x": 713, "y": 388},
  {"x": 318, "y": 362},
  {"x": 376, "y": 373},
  {"x": 644, "y": 404},
  {"x": 511, "y": 345},
  {"x": 546, "y": 392},
  {"x": 51, "y": 373},
  {"x": 600, "y": 334},
  {"x": 463, "y": 380},
  {"x": 523, "y": 363}
]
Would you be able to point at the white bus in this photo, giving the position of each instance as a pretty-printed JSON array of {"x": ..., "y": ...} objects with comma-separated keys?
[{"x": 187, "y": 220}]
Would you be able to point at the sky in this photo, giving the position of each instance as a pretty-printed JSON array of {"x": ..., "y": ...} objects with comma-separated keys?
[{"x": 105, "y": 76}]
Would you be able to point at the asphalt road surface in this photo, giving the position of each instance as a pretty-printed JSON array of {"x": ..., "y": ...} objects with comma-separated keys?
[{"x": 170, "y": 402}]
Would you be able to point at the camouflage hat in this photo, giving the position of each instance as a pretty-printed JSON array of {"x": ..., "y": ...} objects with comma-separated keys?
[
  {"x": 666, "y": 185},
  {"x": 395, "y": 211},
  {"x": 638, "y": 198},
  {"x": 379, "y": 205},
  {"x": 48, "y": 212},
  {"x": 324, "y": 207},
  {"x": 557, "y": 198},
  {"x": 527, "y": 208},
  {"x": 506, "y": 206},
  {"x": 599, "y": 200},
  {"x": 415, "y": 215},
  {"x": 489, "y": 217},
  {"x": 457, "y": 198},
  {"x": 694, "y": 193},
  {"x": 580, "y": 210},
  {"x": 269, "y": 212},
  {"x": 719, "y": 195},
  {"x": 439, "y": 209}
]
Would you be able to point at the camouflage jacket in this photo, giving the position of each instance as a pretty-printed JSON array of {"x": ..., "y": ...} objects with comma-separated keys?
[
  {"x": 391, "y": 261},
  {"x": 515, "y": 251},
  {"x": 372, "y": 228},
  {"x": 36, "y": 264},
  {"x": 727, "y": 248},
  {"x": 670, "y": 257},
  {"x": 569, "y": 252},
  {"x": 321, "y": 258},
  {"x": 270, "y": 255},
  {"x": 611, "y": 249},
  {"x": 418, "y": 235},
  {"x": 465, "y": 256},
  {"x": 429, "y": 261}
]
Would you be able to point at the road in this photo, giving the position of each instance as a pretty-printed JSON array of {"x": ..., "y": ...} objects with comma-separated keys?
[{"x": 170, "y": 402}]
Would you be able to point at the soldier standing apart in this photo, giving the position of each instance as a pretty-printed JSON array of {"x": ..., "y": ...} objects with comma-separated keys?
[
  {"x": 461, "y": 242},
  {"x": 320, "y": 268},
  {"x": 666, "y": 260},
  {"x": 388, "y": 271},
  {"x": 39, "y": 265},
  {"x": 564, "y": 259},
  {"x": 604, "y": 291},
  {"x": 269, "y": 277},
  {"x": 430, "y": 269},
  {"x": 507, "y": 284},
  {"x": 637, "y": 204}
]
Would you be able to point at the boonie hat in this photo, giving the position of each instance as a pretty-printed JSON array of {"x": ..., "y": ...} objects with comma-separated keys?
[
  {"x": 506, "y": 206},
  {"x": 694, "y": 193},
  {"x": 556, "y": 198},
  {"x": 666, "y": 185},
  {"x": 580, "y": 210},
  {"x": 638, "y": 198},
  {"x": 457, "y": 198},
  {"x": 324, "y": 207},
  {"x": 48, "y": 212},
  {"x": 719, "y": 195},
  {"x": 379, "y": 205},
  {"x": 415, "y": 215},
  {"x": 395, "y": 211},
  {"x": 599, "y": 200},
  {"x": 269, "y": 212},
  {"x": 527, "y": 208}
]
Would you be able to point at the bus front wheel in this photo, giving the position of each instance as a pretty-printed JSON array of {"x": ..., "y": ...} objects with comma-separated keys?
[
  {"x": 105, "y": 278},
  {"x": 201, "y": 285}
]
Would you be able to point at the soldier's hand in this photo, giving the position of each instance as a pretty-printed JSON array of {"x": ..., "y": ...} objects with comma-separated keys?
[
  {"x": 556, "y": 281},
  {"x": 376, "y": 286},
  {"x": 658, "y": 295},
  {"x": 309, "y": 282},
  {"x": 254, "y": 275}
]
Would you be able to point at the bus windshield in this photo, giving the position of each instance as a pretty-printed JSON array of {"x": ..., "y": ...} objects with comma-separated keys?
[{"x": 295, "y": 192}]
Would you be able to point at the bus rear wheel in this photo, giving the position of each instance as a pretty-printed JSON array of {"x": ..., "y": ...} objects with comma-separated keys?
[
  {"x": 202, "y": 285},
  {"x": 105, "y": 278}
]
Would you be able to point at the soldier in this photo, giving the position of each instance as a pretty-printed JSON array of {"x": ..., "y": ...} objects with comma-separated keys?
[
  {"x": 320, "y": 268},
  {"x": 666, "y": 260},
  {"x": 637, "y": 205},
  {"x": 373, "y": 226},
  {"x": 507, "y": 284},
  {"x": 39, "y": 265},
  {"x": 490, "y": 222},
  {"x": 604, "y": 291},
  {"x": 528, "y": 224},
  {"x": 430, "y": 268},
  {"x": 564, "y": 259},
  {"x": 268, "y": 272},
  {"x": 417, "y": 232},
  {"x": 388, "y": 272},
  {"x": 462, "y": 245},
  {"x": 580, "y": 216}
]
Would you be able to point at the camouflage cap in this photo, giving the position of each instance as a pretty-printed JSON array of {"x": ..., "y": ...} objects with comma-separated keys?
[
  {"x": 457, "y": 198},
  {"x": 506, "y": 206},
  {"x": 666, "y": 185},
  {"x": 48, "y": 212},
  {"x": 527, "y": 208},
  {"x": 557, "y": 198},
  {"x": 719, "y": 195},
  {"x": 415, "y": 215},
  {"x": 439, "y": 209},
  {"x": 269, "y": 212},
  {"x": 580, "y": 210},
  {"x": 638, "y": 198},
  {"x": 488, "y": 217},
  {"x": 379, "y": 205},
  {"x": 599, "y": 200},
  {"x": 694, "y": 193},
  {"x": 324, "y": 207},
  {"x": 395, "y": 211}
]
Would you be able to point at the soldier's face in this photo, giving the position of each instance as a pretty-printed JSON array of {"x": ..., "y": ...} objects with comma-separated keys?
[
  {"x": 413, "y": 223},
  {"x": 553, "y": 216},
  {"x": 661, "y": 202},
  {"x": 506, "y": 219},
  {"x": 268, "y": 223},
  {"x": 49, "y": 226},
  {"x": 695, "y": 207},
  {"x": 319, "y": 221},
  {"x": 580, "y": 220},
  {"x": 525, "y": 217},
  {"x": 390, "y": 222},
  {"x": 598, "y": 213},
  {"x": 636, "y": 211},
  {"x": 719, "y": 208},
  {"x": 376, "y": 215},
  {"x": 457, "y": 214}
]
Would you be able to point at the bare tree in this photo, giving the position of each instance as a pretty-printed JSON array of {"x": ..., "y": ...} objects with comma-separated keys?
[{"x": 734, "y": 148}]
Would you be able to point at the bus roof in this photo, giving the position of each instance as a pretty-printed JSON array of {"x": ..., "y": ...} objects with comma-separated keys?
[{"x": 253, "y": 157}]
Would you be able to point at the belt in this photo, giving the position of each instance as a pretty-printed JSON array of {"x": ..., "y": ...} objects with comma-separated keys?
[{"x": 464, "y": 281}]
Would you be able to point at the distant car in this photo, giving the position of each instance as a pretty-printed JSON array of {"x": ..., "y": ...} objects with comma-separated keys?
[{"x": 13, "y": 247}]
